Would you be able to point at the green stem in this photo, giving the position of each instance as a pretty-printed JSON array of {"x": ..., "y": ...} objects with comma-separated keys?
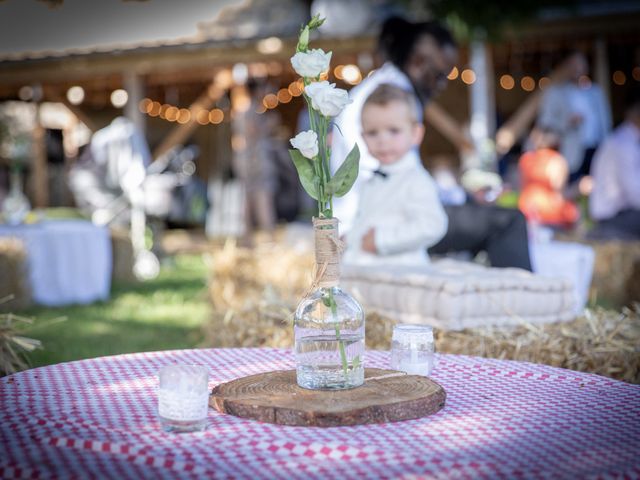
[{"x": 343, "y": 353}]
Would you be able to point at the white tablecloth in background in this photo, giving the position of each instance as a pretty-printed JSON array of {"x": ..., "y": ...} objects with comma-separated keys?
[{"x": 69, "y": 260}]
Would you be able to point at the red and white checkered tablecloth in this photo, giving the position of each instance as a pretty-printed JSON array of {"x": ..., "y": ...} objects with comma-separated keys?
[{"x": 97, "y": 419}]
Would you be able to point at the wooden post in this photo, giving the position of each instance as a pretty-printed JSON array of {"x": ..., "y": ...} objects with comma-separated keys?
[
  {"x": 135, "y": 88},
  {"x": 181, "y": 132},
  {"x": 436, "y": 116},
  {"x": 40, "y": 166},
  {"x": 601, "y": 68},
  {"x": 482, "y": 105}
]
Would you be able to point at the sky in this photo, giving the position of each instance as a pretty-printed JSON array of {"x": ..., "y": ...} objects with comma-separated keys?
[{"x": 29, "y": 25}]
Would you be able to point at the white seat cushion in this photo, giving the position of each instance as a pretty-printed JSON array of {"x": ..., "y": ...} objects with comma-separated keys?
[{"x": 454, "y": 295}]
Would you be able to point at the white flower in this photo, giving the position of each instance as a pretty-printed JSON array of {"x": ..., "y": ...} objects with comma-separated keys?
[
  {"x": 326, "y": 98},
  {"x": 307, "y": 143},
  {"x": 312, "y": 63}
]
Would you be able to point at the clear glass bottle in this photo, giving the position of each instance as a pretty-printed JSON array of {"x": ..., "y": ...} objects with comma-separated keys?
[
  {"x": 16, "y": 206},
  {"x": 329, "y": 323}
]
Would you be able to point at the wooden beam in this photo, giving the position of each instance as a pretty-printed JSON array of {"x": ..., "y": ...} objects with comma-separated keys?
[
  {"x": 436, "y": 116},
  {"x": 181, "y": 132},
  {"x": 54, "y": 96},
  {"x": 511, "y": 131},
  {"x": 160, "y": 59}
]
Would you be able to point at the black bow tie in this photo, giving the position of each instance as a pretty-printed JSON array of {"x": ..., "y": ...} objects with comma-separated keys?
[{"x": 381, "y": 173}]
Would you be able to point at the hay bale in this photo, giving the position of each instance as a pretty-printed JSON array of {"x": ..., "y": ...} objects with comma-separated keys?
[
  {"x": 254, "y": 294},
  {"x": 613, "y": 270},
  {"x": 14, "y": 281}
]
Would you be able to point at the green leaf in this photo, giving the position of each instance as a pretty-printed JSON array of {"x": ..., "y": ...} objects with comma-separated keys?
[
  {"x": 305, "y": 172},
  {"x": 346, "y": 175}
]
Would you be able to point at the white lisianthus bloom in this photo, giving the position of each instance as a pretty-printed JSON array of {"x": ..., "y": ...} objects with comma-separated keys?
[
  {"x": 312, "y": 63},
  {"x": 326, "y": 98},
  {"x": 307, "y": 143}
]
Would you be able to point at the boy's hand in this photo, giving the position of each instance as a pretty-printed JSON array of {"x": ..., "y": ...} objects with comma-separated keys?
[{"x": 369, "y": 241}]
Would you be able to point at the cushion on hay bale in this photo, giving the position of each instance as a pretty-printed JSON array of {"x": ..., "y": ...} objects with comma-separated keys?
[{"x": 454, "y": 295}]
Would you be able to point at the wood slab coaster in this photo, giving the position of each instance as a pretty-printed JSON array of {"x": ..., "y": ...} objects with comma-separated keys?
[{"x": 275, "y": 397}]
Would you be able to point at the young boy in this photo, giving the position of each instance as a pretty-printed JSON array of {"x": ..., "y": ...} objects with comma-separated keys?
[{"x": 399, "y": 213}]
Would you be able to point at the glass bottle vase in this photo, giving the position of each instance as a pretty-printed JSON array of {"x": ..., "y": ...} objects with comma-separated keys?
[
  {"x": 329, "y": 324},
  {"x": 16, "y": 206}
]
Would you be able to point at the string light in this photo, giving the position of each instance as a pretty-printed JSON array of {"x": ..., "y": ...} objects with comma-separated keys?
[
  {"x": 528, "y": 84},
  {"x": 351, "y": 74},
  {"x": 119, "y": 98},
  {"x": 468, "y": 76},
  {"x": 202, "y": 117},
  {"x": 584, "y": 81},
  {"x": 145, "y": 105},
  {"x": 284, "y": 96},
  {"x": 270, "y": 101},
  {"x": 337, "y": 72},
  {"x": 216, "y": 116},
  {"x": 619, "y": 78},
  {"x": 75, "y": 95},
  {"x": 543, "y": 82},
  {"x": 453, "y": 74},
  {"x": 635, "y": 73},
  {"x": 269, "y": 45},
  {"x": 507, "y": 82},
  {"x": 184, "y": 116}
]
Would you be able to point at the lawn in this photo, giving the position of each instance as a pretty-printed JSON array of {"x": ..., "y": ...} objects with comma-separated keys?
[{"x": 161, "y": 314}]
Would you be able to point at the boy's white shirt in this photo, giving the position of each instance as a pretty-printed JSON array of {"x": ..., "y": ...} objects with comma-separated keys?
[{"x": 405, "y": 211}]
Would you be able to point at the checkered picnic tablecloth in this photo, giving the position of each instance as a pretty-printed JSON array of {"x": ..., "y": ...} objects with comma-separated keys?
[{"x": 97, "y": 418}]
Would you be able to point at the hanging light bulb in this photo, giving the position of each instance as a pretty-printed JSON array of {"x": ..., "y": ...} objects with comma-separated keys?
[{"x": 119, "y": 98}]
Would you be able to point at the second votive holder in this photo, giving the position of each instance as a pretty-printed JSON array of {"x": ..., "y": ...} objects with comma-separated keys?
[{"x": 412, "y": 349}]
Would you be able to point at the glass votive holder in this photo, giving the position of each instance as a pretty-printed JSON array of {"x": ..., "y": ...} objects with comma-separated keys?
[
  {"x": 412, "y": 349},
  {"x": 183, "y": 398}
]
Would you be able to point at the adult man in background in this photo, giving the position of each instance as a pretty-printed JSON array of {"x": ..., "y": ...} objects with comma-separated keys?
[{"x": 419, "y": 56}]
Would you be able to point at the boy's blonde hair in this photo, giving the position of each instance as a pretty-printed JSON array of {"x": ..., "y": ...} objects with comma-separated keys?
[{"x": 386, "y": 93}]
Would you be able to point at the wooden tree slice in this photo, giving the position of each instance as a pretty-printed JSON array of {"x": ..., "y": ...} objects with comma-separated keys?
[{"x": 275, "y": 397}]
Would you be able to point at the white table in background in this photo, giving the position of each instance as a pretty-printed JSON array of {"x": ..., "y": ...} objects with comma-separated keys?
[{"x": 69, "y": 261}]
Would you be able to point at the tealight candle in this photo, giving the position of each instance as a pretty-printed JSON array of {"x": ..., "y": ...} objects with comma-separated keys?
[
  {"x": 412, "y": 349},
  {"x": 183, "y": 398}
]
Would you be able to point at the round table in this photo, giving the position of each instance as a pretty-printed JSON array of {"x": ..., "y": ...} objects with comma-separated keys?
[{"x": 97, "y": 418}]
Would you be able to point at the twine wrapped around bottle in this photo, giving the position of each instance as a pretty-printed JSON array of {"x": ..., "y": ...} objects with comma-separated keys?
[{"x": 328, "y": 248}]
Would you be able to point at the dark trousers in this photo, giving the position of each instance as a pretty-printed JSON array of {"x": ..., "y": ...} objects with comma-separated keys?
[
  {"x": 624, "y": 226},
  {"x": 501, "y": 232}
]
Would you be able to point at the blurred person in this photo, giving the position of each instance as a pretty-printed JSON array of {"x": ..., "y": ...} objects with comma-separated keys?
[
  {"x": 110, "y": 171},
  {"x": 577, "y": 109},
  {"x": 615, "y": 199},
  {"x": 252, "y": 163},
  {"x": 419, "y": 56},
  {"x": 399, "y": 214},
  {"x": 544, "y": 173}
]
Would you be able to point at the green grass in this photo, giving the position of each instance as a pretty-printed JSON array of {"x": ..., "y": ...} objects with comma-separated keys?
[{"x": 160, "y": 314}]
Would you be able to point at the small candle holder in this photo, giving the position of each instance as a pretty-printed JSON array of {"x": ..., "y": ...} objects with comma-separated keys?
[
  {"x": 183, "y": 398},
  {"x": 412, "y": 349}
]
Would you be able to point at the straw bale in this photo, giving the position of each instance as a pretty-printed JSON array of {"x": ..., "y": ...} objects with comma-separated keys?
[
  {"x": 613, "y": 270},
  {"x": 14, "y": 346},
  {"x": 254, "y": 294},
  {"x": 14, "y": 280}
]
